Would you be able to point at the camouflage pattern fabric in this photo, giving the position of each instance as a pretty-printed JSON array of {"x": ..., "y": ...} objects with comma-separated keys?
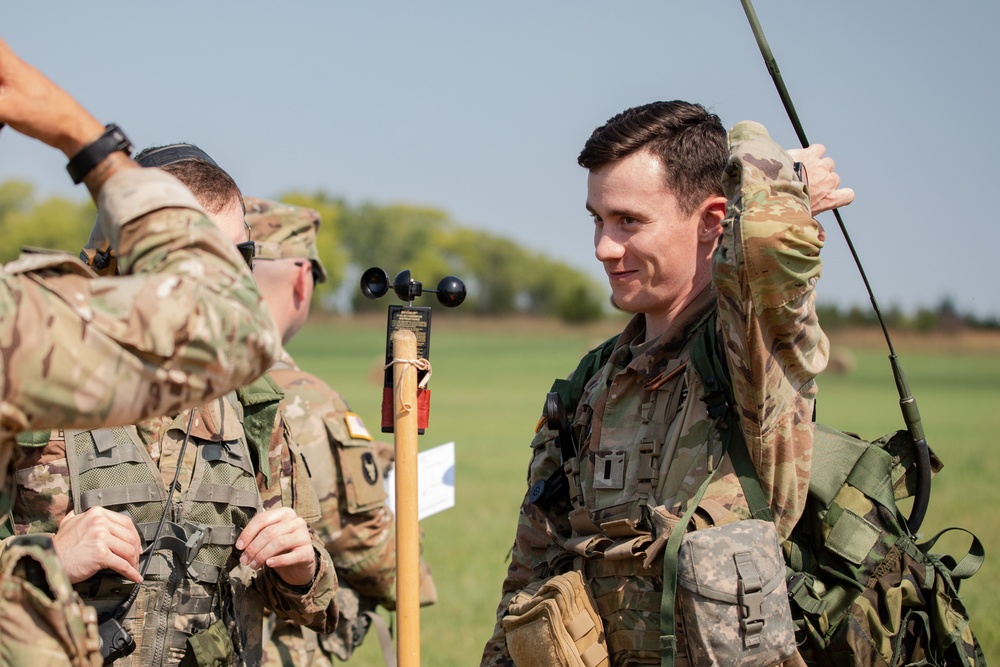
[
  {"x": 731, "y": 590},
  {"x": 906, "y": 608},
  {"x": 347, "y": 470},
  {"x": 42, "y": 619},
  {"x": 95, "y": 360},
  {"x": 96, "y": 357},
  {"x": 647, "y": 442},
  {"x": 173, "y": 608},
  {"x": 284, "y": 231}
]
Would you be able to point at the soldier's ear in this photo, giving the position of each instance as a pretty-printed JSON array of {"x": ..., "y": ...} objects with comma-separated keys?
[
  {"x": 711, "y": 213},
  {"x": 303, "y": 275}
]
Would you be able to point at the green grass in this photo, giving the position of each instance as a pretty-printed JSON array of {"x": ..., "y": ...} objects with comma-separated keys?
[{"x": 489, "y": 381}]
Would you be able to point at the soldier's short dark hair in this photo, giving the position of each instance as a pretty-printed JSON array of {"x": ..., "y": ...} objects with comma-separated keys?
[
  {"x": 689, "y": 140},
  {"x": 211, "y": 185}
]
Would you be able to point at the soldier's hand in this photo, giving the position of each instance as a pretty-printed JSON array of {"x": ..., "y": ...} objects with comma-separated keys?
[
  {"x": 825, "y": 192},
  {"x": 33, "y": 105},
  {"x": 280, "y": 539},
  {"x": 95, "y": 540}
]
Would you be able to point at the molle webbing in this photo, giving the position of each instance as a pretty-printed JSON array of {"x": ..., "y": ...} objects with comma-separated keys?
[
  {"x": 111, "y": 468},
  {"x": 657, "y": 415}
]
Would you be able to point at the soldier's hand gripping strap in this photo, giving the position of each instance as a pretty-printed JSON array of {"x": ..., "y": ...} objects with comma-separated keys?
[
  {"x": 556, "y": 627},
  {"x": 732, "y": 596}
]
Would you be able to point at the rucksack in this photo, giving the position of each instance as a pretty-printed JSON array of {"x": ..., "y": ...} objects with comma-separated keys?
[{"x": 862, "y": 590}]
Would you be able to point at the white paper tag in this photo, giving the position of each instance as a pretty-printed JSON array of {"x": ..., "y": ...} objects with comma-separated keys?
[{"x": 435, "y": 481}]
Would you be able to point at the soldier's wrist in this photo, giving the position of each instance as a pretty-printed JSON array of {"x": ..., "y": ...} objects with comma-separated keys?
[{"x": 306, "y": 587}]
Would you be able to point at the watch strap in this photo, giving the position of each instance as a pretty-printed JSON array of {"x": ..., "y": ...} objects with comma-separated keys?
[{"x": 93, "y": 154}]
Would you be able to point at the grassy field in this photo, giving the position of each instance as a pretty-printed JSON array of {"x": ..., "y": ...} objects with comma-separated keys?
[{"x": 489, "y": 380}]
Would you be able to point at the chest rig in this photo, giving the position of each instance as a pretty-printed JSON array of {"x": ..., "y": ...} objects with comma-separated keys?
[
  {"x": 616, "y": 484},
  {"x": 186, "y": 587}
]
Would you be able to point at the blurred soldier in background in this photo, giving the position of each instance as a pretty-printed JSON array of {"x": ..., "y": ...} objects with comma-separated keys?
[
  {"x": 77, "y": 350},
  {"x": 189, "y": 492},
  {"x": 346, "y": 466}
]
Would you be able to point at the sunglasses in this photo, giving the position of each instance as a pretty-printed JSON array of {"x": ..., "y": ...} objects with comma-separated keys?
[
  {"x": 315, "y": 272},
  {"x": 247, "y": 250}
]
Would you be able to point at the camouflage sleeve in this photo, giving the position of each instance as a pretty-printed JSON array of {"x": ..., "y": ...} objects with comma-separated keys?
[
  {"x": 43, "y": 495},
  {"x": 355, "y": 525},
  {"x": 765, "y": 269},
  {"x": 538, "y": 531},
  {"x": 314, "y": 607},
  {"x": 185, "y": 325}
]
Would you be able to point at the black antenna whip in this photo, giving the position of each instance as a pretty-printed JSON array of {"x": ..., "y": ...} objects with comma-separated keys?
[{"x": 907, "y": 403}]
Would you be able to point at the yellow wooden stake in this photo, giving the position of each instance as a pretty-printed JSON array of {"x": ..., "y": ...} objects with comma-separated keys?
[{"x": 404, "y": 377}]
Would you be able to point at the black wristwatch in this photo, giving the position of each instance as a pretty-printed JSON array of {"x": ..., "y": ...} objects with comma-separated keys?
[{"x": 93, "y": 154}]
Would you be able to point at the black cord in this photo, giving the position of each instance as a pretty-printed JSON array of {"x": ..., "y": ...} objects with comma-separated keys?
[{"x": 123, "y": 608}]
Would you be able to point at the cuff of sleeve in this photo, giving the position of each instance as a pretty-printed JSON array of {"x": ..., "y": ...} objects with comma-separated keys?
[
  {"x": 756, "y": 158},
  {"x": 132, "y": 193},
  {"x": 314, "y": 587}
]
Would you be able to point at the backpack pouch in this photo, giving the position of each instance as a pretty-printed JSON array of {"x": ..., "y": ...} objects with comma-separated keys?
[
  {"x": 732, "y": 596},
  {"x": 556, "y": 627}
]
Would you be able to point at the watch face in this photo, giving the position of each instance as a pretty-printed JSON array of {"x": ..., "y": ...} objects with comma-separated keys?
[{"x": 121, "y": 141}]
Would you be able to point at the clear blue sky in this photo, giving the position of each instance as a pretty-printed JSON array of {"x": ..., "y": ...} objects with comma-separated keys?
[{"x": 480, "y": 108}]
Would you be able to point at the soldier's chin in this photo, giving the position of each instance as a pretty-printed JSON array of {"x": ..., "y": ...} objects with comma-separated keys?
[{"x": 623, "y": 304}]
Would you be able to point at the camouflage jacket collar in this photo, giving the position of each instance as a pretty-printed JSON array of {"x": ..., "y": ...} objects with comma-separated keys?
[{"x": 654, "y": 359}]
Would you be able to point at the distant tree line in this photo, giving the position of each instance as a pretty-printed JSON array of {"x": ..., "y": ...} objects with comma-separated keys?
[
  {"x": 502, "y": 277},
  {"x": 943, "y": 317}
]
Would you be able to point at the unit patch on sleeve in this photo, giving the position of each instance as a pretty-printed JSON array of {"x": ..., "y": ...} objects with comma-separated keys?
[{"x": 369, "y": 467}]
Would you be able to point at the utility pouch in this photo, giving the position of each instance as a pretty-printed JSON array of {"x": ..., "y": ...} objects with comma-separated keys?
[
  {"x": 556, "y": 626},
  {"x": 212, "y": 647},
  {"x": 732, "y": 596}
]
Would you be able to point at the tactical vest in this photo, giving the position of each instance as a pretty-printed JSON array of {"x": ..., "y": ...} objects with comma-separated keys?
[
  {"x": 186, "y": 587},
  {"x": 619, "y": 530},
  {"x": 862, "y": 590}
]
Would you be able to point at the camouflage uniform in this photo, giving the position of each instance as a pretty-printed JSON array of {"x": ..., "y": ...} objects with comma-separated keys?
[
  {"x": 346, "y": 466},
  {"x": 173, "y": 607},
  {"x": 80, "y": 352},
  {"x": 646, "y": 440}
]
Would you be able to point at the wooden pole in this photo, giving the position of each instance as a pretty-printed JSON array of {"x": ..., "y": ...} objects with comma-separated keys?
[{"x": 404, "y": 376}]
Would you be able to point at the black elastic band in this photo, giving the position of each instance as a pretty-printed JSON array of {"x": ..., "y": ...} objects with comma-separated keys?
[{"x": 164, "y": 155}]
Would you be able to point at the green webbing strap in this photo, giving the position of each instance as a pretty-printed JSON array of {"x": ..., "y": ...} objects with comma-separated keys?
[
  {"x": 969, "y": 564},
  {"x": 571, "y": 390},
  {"x": 738, "y": 454},
  {"x": 711, "y": 368},
  {"x": 872, "y": 475},
  {"x": 668, "y": 636},
  {"x": 260, "y": 401}
]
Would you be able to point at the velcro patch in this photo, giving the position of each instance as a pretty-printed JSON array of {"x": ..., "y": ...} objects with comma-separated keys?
[
  {"x": 356, "y": 427},
  {"x": 609, "y": 470}
]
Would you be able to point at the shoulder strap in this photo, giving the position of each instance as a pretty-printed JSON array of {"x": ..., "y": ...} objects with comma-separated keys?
[
  {"x": 710, "y": 364},
  {"x": 571, "y": 390}
]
